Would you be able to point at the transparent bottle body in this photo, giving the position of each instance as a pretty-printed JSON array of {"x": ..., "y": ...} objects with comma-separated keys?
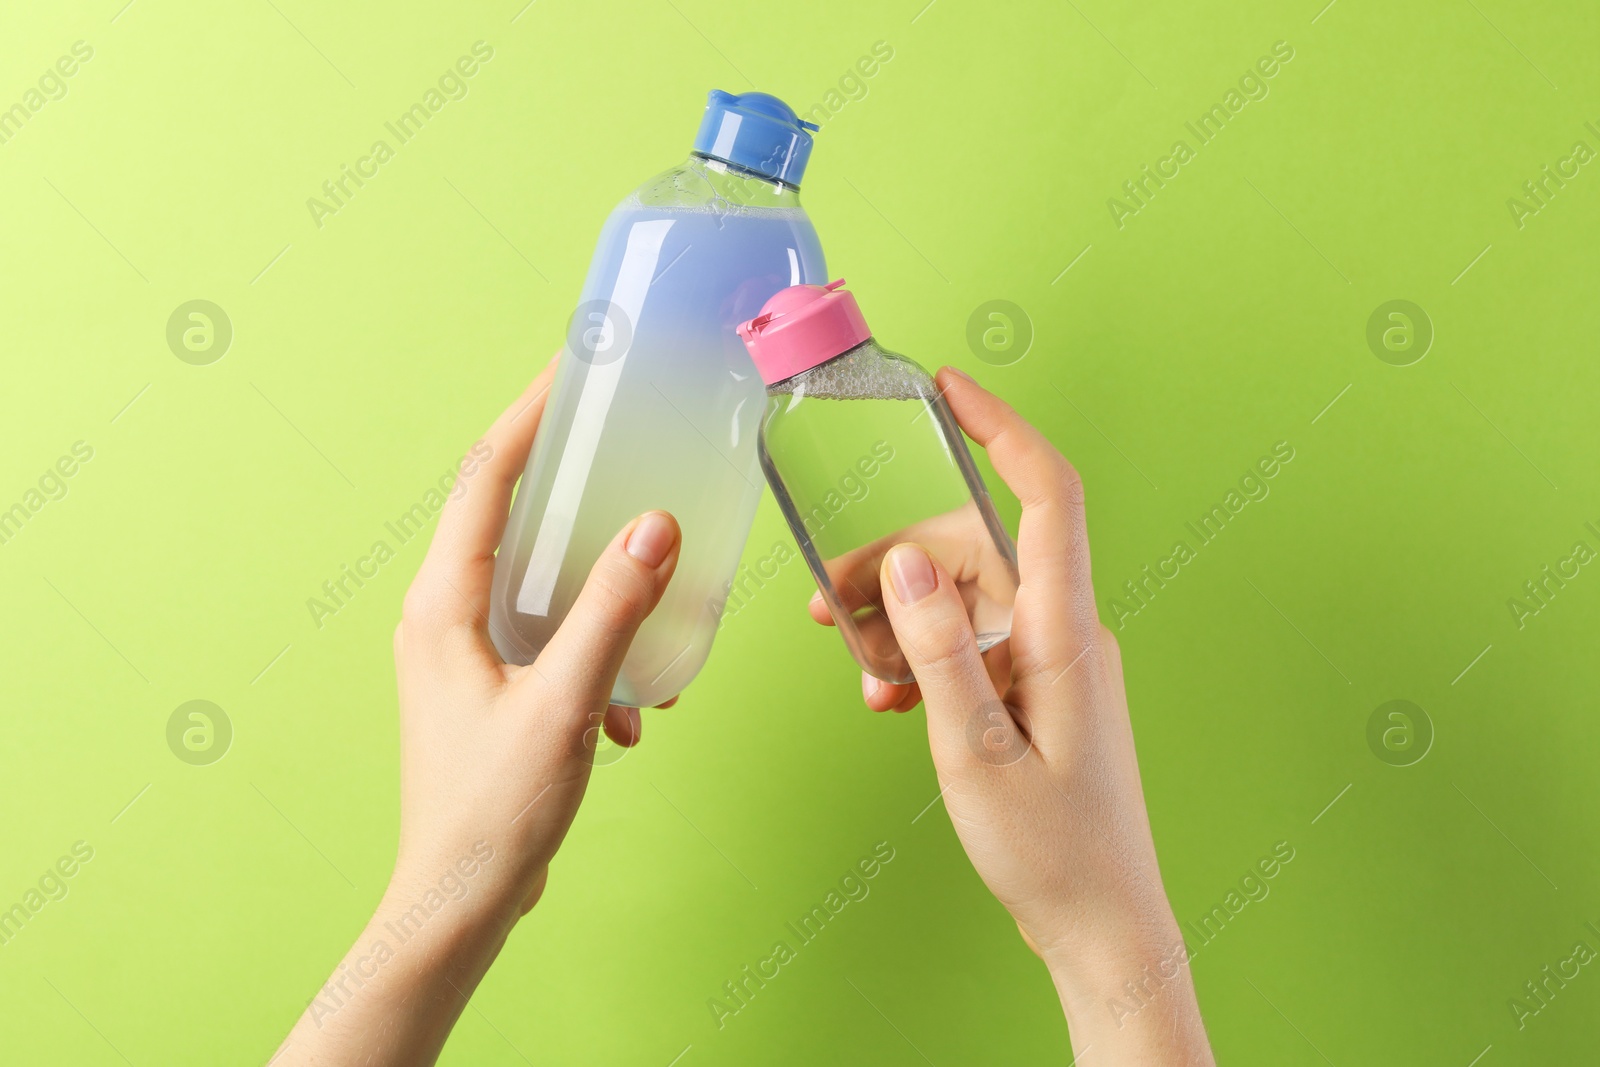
[
  {"x": 655, "y": 405},
  {"x": 863, "y": 454}
]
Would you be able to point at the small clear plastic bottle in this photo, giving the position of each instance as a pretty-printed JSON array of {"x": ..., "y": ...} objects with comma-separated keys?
[{"x": 863, "y": 454}]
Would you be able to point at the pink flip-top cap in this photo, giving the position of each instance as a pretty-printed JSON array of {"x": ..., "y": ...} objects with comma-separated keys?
[{"x": 802, "y": 327}]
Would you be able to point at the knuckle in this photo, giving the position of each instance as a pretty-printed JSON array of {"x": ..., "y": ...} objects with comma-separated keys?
[
  {"x": 1112, "y": 651},
  {"x": 459, "y": 638},
  {"x": 619, "y": 597},
  {"x": 1069, "y": 483},
  {"x": 942, "y": 643},
  {"x": 417, "y": 607},
  {"x": 1055, "y": 481}
]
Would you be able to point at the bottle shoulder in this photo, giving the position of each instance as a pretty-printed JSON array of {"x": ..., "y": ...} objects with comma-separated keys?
[
  {"x": 866, "y": 372},
  {"x": 805, "y": 407}
]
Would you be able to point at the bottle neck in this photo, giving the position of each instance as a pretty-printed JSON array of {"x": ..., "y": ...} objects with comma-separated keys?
[{"x": 743, "y": 186}]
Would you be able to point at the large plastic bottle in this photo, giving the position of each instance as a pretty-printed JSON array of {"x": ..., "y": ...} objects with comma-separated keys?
[{"x": 656, "y": 403}]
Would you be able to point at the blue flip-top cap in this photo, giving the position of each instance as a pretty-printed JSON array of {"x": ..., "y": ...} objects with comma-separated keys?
[{"x": 757, "y": 132}]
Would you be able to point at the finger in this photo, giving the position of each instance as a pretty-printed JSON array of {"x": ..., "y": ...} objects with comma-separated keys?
[
  {"x": 581, "y": 661},
  {"x": 819, "y": 609},
  {"x": 623, "y": 725},
  {"x": 668, "y": 704},
  {"x": 854, "y": 578},
  {"x": 912, "y": 698},
  {"x": 879, "y": 694},
  {"x": 889, "y": 696},
  {"x": 936, "y": 636},
  {"x": 998, "y": 661},
  {"x": 1056, "y": 597},
  {"x": 460, "y": 563},
  {"x": 854, "y": 575},
  {"x": 873, "y": 641}
]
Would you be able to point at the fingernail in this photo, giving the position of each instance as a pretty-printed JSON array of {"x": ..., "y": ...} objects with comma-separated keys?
[
  {"x": 651, "y": 539},
  {"x": 963, "y": 375},
  {"x": 911, "y": 572},
  {"x": 869, "y": 686},
  {"x": 816, "y": 598},
  {"x": 635, "y": 727}
]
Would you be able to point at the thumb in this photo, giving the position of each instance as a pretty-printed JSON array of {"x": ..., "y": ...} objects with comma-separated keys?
[
  {"x": 966, "y": 721},
  {"x": 582, "y": 660}
]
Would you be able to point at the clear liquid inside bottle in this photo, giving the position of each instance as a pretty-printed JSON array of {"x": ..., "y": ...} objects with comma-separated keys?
[{"x": 863, "y": 454}]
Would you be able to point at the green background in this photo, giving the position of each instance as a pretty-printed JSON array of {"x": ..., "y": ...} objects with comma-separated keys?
[{"x": 1223, "y": 317}]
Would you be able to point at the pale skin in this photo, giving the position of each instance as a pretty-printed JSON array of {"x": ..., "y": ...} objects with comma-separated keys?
[{"x": 1032, "y": 746}]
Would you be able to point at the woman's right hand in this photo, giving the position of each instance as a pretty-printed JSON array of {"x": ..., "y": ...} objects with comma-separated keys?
[{"x": 1035, "y": 757}]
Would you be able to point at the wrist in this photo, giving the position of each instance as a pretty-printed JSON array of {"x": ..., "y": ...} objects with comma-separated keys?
[
  {"x": 429, "y": 943},
  {"x": 403, "y": 983},
  {"x": 1130, "y": 968},
  {"x": 456, "y": 901},
  {"x": 1133, "y": 998}
]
